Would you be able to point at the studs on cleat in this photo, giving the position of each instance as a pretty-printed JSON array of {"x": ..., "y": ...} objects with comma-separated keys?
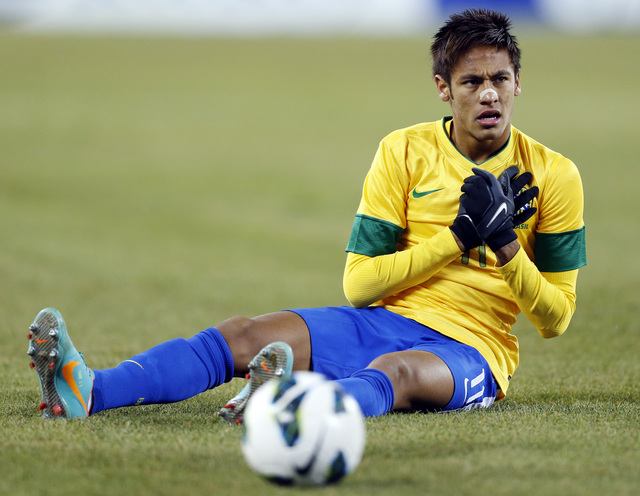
[
  {"x": 50, "y": 350},
  {"x": 274, "y": 360}
]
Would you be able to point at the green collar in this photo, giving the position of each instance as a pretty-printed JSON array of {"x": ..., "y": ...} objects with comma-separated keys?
[{"x": 449, "y": 119}]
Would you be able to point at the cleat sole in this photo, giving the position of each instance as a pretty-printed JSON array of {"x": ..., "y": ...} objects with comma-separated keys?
[
  {"x": 266, "y": 365},
  {"x": 44, "y": 350}
]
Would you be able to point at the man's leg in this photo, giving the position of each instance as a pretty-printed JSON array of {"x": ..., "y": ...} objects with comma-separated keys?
[
  {"x": 403, "y": 380},
  {"x": 420, "y": 380},
  {"x": 246, "y": 337},
  {"x": 275, "y": 359},
  {"x": 182, "y": 368},
  {"x": 172, "y": 371}
]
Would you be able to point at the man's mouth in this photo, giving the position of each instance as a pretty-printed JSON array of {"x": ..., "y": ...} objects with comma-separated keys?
[{"x": 489, "y": 118}]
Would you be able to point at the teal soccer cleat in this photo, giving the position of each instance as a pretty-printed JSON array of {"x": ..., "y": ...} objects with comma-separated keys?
[
  {"x": 66, "y": 382},
  {"x": 274, "y": 361}
]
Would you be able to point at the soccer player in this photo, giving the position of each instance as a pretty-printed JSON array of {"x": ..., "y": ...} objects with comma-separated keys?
[{"x": 464, "y": 223}]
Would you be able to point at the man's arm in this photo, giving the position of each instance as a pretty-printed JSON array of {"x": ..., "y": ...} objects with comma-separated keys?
[
  {"x": 370, "y": 279},
  {"x": 548, "y": 299}
]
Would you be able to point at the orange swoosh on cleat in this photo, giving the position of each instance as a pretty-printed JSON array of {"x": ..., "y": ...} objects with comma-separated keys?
[
  {"x": 67, "y": 373},
  {"x": 40, "y": 341},
  {"x": 266, "y": 368}
]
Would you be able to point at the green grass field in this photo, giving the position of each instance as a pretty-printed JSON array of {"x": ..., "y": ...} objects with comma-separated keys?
[{"x": 150, "y": 188}]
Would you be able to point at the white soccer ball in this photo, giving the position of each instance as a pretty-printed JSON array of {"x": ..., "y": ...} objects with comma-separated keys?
[{"x": 305, "y": 430}]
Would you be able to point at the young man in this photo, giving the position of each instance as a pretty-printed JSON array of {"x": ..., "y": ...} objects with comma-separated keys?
[{"x": 435, "y": 278}]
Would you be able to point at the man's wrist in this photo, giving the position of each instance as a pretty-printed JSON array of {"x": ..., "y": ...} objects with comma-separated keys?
[
  {"x": 458, "y": 242},
  {"x": 465, "y": 233},
  {"x": 505, "y": 254}
]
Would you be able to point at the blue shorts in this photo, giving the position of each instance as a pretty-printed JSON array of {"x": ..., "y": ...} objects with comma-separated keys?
[{"x": 346, "y": 339}]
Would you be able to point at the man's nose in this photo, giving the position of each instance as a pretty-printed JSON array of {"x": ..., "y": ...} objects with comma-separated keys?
[{"x": 489, "y": 95}]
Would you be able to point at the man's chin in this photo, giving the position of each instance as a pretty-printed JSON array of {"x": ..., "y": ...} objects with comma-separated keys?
[{"x": 492, "y": 133}]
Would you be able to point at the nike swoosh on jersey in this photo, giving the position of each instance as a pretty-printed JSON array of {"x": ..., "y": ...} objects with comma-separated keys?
[
  {"x": 495, "y": 215},
  {"x": 417, "y": 194}
]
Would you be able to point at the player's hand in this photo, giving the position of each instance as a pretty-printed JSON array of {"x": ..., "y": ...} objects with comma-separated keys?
[
  {"x": 475, "y": 203},
  {"x": 494, "y": 204},
  {"x": 493, "y": 207},
  {"x": 463, "y": 227},
  {"x": 522, "y": 198}
]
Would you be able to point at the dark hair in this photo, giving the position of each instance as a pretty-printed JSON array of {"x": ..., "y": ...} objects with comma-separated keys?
[{"x": 467, "y": 30}]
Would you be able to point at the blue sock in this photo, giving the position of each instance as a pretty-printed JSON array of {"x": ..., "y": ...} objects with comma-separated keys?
[
  {"x": 372, "y": 389},
  {"x": 172, "y": 371}
]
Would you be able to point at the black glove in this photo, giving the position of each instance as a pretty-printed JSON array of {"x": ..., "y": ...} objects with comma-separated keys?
[
  {"x": 523, "y": 211},
  {"x": 463, "y": 226},
  {"x": 475, "y": 203},
  {"x": 518, "y": 209},
  {"x": 494, "y": 206}
]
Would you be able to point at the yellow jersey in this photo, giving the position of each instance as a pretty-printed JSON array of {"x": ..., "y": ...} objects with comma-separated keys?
[{"x": 411, "y": 197}]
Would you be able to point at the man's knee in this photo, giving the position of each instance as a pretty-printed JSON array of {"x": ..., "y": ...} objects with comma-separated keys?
[
  {"x": 395, "y": 367},
  {"x": 235, "y": 328},
  {"x": 237, "y": 332},
  {"x": 246, "y": 337},
  {"x": 420, "y": 379}
]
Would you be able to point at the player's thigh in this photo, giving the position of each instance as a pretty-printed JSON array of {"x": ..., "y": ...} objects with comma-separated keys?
[
  {"x": 246, "y": 337},
  {"x": 421, "y": 380}
]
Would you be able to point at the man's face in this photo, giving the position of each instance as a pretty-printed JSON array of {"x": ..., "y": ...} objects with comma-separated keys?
[{"x": 482, "y": 92}]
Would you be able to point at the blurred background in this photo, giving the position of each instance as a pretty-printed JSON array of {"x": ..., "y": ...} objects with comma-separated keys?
[
  {"x": 166, "y": 164},
  {"x": 198, "y": 153},
  {"x": 302, "y": 17}
]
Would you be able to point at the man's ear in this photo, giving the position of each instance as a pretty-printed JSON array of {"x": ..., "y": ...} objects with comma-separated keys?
[
  {"x": 518, "y": 88},
  {"x": 444, "y": 92}
]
